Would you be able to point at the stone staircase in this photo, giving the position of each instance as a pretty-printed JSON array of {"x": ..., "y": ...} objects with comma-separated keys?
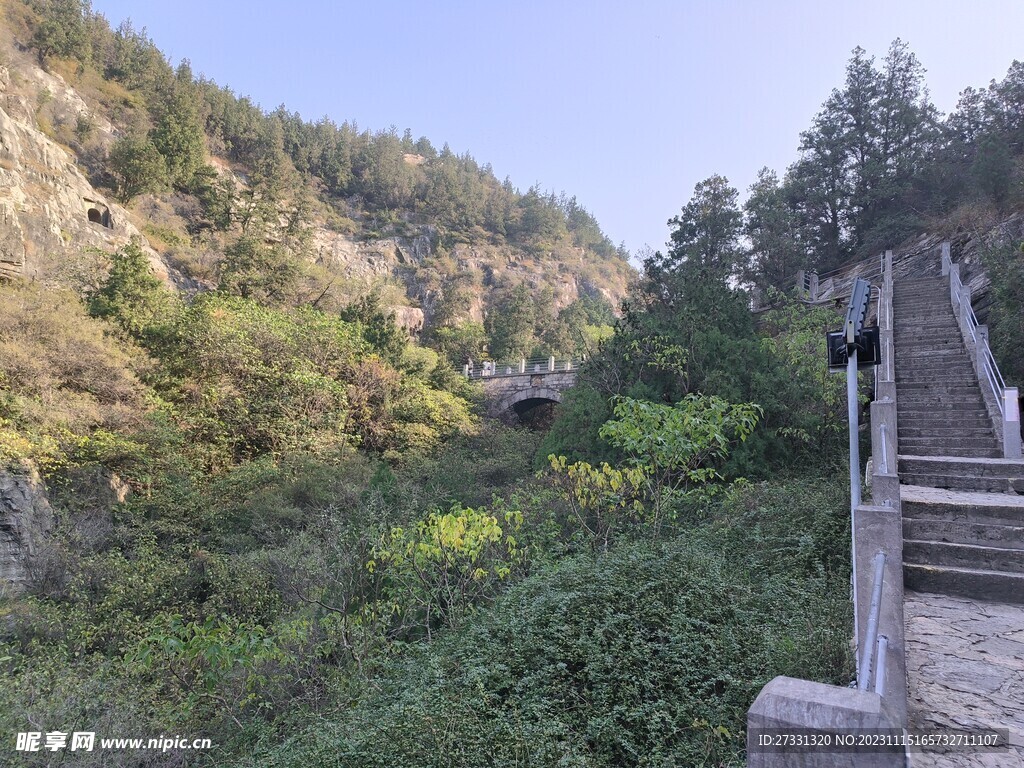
[{"x": 963, "y": 504}]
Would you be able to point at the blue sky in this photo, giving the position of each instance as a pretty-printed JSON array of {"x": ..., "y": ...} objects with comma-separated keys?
[{"x": 625, "y": 105}]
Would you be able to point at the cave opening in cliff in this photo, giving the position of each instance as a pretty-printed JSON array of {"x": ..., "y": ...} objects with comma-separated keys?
[{"x": 96, "y": 216}]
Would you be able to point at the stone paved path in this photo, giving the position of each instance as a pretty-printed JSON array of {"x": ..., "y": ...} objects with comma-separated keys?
[{"x": 965, "y": 667}]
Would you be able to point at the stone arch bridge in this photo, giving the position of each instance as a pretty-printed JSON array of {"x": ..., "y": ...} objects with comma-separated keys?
[{"x": 513, "y": 389}]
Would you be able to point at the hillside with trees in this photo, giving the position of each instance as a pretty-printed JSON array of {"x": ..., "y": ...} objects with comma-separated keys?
[
  {"x": 224, "y": 191},
  {"x": 254, "y": 508}
]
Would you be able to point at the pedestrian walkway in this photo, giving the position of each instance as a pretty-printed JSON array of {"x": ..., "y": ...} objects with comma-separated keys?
[{"x": 965, "y": 668}]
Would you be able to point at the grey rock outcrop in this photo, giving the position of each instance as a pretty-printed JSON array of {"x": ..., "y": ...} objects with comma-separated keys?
[
  {"x": 26, "y": 520},
  {"x": 48, "y": 208}
]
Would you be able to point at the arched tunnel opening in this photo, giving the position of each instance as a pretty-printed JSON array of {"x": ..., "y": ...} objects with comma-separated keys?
[{"x": 536, "y": 413}]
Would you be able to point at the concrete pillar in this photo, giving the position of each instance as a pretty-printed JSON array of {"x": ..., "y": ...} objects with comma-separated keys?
[
  {"x": 965, "y": 312},
  {"x": 465, "y": 371},
  {"x": 954, "y": 278},
  {"x": 813, "y": 286},
  {"x": 1011, "y": 424},
  {"x": 568, "y": 364},
  {"x": 980, "y": 351},
  {"x": 883, "y": 440},
  {"x": 887, "y": 265},
  {"x": 522, "y": 365},
  {"x": 800, "y": 281},
  {"x": 880, "y": 529},
  {"x": 551, "y": 363},
  {"x": 947, "y": 260},
  {"x": 787, "y": 705}
]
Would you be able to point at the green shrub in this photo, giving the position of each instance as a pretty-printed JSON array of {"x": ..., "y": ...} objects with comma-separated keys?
[{"x": 649, "y": 655}]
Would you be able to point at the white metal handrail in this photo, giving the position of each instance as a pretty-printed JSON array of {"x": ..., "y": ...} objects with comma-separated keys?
[
  {"x": 989, "y": 365},
  {"x": 873, "y": 653},
  {"x": 521, "y": 367}
]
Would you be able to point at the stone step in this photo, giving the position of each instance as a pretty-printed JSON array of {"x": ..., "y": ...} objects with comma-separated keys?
[
  {"x": 925, "y": 317},
  {"x": 944, "y": 433},
  {"x": 923, "y": 419},
  {"x": 904, "y": 302},
  {"x": 949, "y": 450},
  {"x": 955, "y": 555},
  {"x": 953, "y": 418},
  {"x": 965, "y": 582},
  {"x": 922, "y": 288},
  {"x": 913, "y": 384},
  {"x": 931, "y": 343},
  {"x": 996, "y": 468},
  {"x": 931, "y": 340},
  {"x": 927, "y": 426},
  {"x": 937, "y": 366},
  {"x": 963, "y": 482},
  {"x": 913, "y": 358},
  {"x": 930, "y": 388},
  {"x": 919, "y": 503},
  {"x": 913, "y": 404},
  {"x": 921, "y": 353},
  {"x": 944, "y": 334},
  {"x": 953, "y": 373},
  {"x": 972, "y": 405},
  {"x": 966, "y": 532},
  {"x": 964, "y": 443},
  {"x": 934, "y": 377},
  {"x": 907, "y": 345},
  {"x": 934, "y": 388},
  {"x": 922, "y": 357}
]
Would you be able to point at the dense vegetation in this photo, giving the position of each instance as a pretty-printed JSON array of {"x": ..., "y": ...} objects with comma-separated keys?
[
  {"x": 319, "y": 530},
  {"x": 284, "y": 525}
]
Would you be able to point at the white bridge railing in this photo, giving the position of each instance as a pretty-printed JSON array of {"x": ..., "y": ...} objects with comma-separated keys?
[
  {"x": 521, "y": 367},
  {"x": 997, "y": 394}
]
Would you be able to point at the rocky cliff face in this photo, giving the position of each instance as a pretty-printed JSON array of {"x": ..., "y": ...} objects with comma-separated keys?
[
  {"x": 26, "y": 520},
  {"x": 50, "y": 215},
  {"x": 48, "y": 209}
]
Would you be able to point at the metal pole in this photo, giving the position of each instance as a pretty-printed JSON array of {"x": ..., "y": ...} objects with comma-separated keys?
[
  {"x": 871, "y": 636},
  {"x": 852, "y": 406},
  {"x": 851, "y": 401},
  {"x": 880, "y": 657},
  {"x": 885, "y": 451}
]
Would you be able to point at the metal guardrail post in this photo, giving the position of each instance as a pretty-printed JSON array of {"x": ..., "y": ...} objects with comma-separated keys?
[
  {"x": 965, "y": 310},
  {"x": 981, "y": 350},
  {"x": 871, "y": 636},
  {"x": 881, "y": 652}
]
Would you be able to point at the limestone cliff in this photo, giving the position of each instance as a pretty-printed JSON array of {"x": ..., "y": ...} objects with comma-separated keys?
[
  {"x": 26, "y": 520},
  {"x": 52, "y": 211},
  {"x": 48, "y": 209}
]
